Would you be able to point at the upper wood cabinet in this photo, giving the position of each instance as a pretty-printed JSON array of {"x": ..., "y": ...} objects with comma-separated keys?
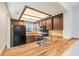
[
  {"x": 53, "y": 23},
  {"x": 43, "y": 23},
  {"x": 58, "y": 22},
  {"x": 49, "y": 24},
  {"x": 17, "y": 22}
]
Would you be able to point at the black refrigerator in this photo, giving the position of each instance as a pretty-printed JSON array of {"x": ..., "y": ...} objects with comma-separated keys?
[{"x": 18, "y": 35}]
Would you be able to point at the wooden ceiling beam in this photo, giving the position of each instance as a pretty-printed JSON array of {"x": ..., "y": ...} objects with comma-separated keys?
[
  {"x": 38, "y": 11},
  {"x": 34, "y": 10},
  {"x": 22, "y": 13}
]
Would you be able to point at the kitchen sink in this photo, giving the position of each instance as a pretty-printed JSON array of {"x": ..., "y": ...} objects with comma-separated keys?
[{"x": 42, "y": 42}]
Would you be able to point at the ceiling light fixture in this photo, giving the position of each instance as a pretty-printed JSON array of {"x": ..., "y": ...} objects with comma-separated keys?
[{"x": 31, "y": 14}]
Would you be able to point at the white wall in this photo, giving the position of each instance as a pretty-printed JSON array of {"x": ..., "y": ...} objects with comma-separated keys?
[
  {"x": 2, "y": 26},
  {"x": 8, "y": 27},
  {"x": 76, "y": 22},
  {"x": 71, "y": 20},
  {"x": 68, "y": 24}
]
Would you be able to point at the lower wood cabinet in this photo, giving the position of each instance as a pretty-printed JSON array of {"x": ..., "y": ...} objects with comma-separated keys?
[{"x": 30, "y": 39}]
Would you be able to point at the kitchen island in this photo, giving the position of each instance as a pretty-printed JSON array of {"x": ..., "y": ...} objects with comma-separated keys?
[{"x": 32, "y": 49}]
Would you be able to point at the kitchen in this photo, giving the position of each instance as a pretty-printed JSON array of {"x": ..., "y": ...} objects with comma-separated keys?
[
  {"x": 37, "y": 33},
  {"x": 35, "y": 30}
]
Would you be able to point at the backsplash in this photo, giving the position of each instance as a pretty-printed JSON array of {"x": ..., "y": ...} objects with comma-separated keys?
[{"x": 56, "y": 32}]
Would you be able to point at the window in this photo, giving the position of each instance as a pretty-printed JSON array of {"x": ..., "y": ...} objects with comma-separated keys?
[{"x": 29, "y": 27}]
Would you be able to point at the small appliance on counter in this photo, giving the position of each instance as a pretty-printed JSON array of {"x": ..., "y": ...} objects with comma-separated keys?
[{"x": 44, "y": 31}]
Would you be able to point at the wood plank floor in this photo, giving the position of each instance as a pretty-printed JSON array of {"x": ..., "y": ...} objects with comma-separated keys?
[{"x": 32, "y": 49}]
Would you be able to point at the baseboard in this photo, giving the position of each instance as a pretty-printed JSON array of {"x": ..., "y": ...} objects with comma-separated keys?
[
  {"x": 72, "y": 38},
  {"x": 3, "y": 50}
]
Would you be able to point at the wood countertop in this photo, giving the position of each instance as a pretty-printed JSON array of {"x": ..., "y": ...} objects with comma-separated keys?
[
  {"x": 32, "y": 49},
  {"x": 32, "y": 33}
]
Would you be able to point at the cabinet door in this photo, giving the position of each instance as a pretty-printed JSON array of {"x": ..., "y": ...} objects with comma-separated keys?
[
  {"x": 58, "y": 23},
  {"x": 49, "y": 24},
  {"x": 43, "y": 23},
  {"x": 30, "y": 39}
]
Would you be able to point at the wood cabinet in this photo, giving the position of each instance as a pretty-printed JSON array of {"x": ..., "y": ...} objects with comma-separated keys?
[
  {"x": 58, "y": 22},
  {"x": 30, "y": 39},
  {"x": 49, "y": 24},
  {"x": 17, "y": 22},
  {"x": 43, "y": 23},
  {"x": 53, "y": 23}
]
